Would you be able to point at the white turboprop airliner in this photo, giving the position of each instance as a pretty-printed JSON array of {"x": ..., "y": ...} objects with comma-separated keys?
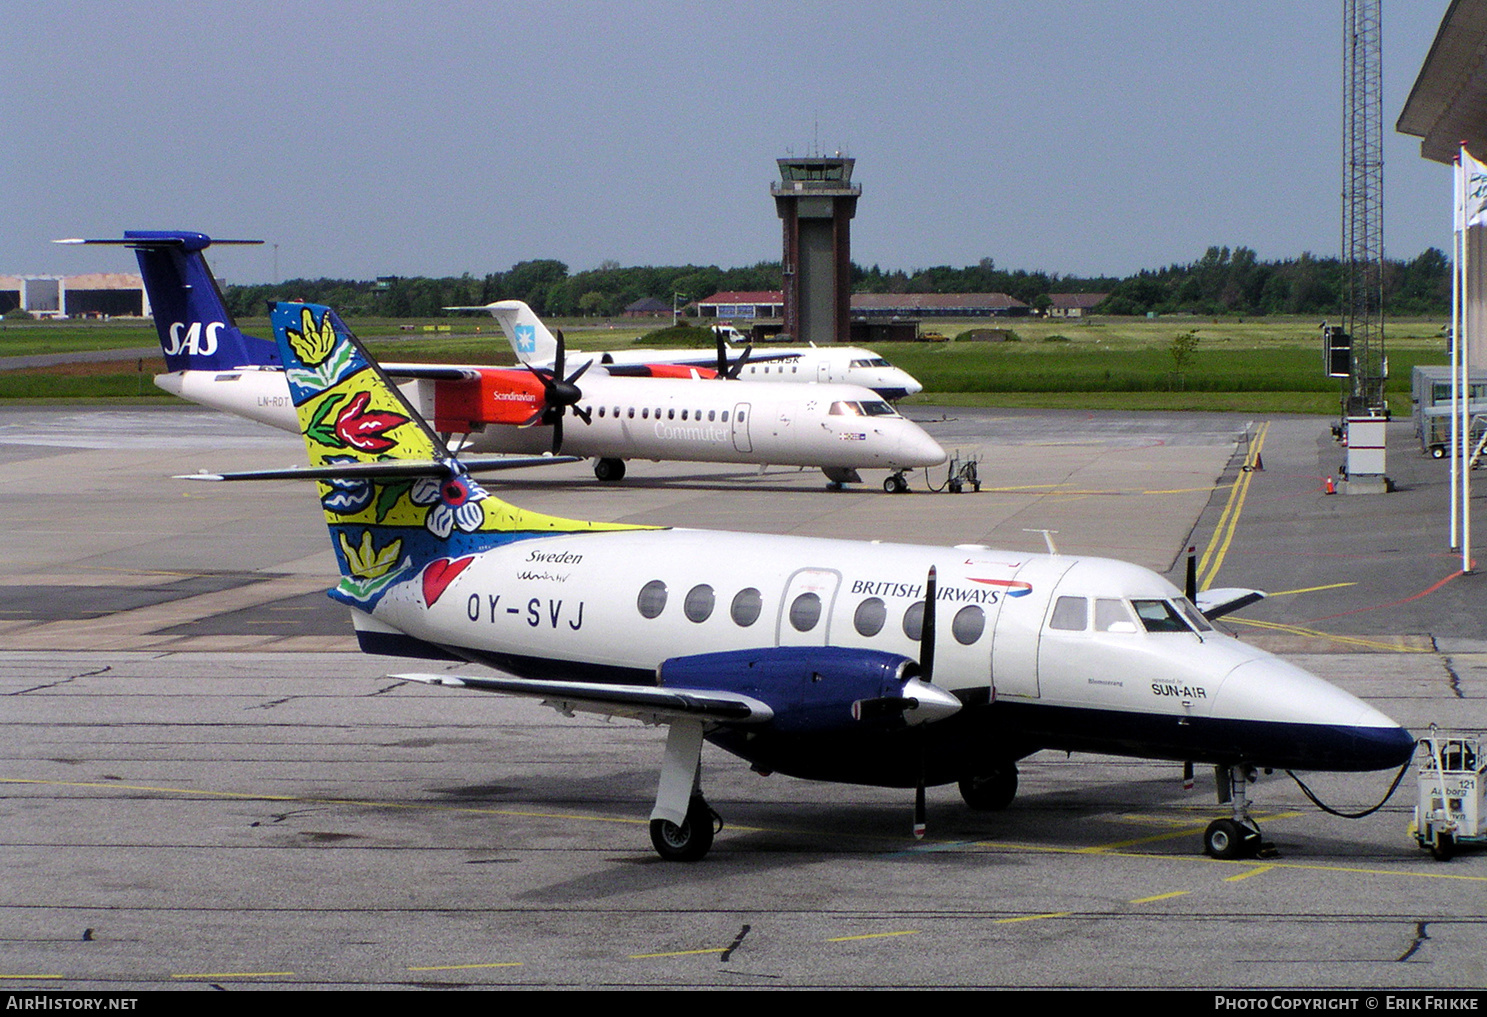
[
  {"x": 837, "y": 428},
  {"x": 536, "y": 345},
  {"x": 816, "y": 658}
]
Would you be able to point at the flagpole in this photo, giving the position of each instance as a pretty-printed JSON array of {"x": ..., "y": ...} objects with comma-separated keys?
[{"x": 1458, "y": 247}]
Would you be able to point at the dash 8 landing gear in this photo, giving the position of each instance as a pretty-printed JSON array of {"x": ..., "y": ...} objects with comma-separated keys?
[
  {"x": 1239, "y": 835},
  {"x": 896, "y": 483},
  {"x": 609, "y": 469}
]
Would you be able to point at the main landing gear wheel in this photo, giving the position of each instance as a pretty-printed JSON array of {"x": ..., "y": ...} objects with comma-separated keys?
[
  {"x": 895, "y": 484},
  {"x": 610, "y": 469},
  {"x": 991, "y": 792},
  {"x": 690, "y": 841}
]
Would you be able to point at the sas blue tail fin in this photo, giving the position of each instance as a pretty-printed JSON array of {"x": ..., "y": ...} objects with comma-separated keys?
[{"x": 196, "y": 331}]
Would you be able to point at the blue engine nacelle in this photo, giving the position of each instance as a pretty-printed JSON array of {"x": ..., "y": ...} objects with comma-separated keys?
[{"x": 812, "y": 689}]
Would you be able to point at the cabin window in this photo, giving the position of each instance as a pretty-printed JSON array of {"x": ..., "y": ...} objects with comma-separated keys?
[
  {"x": 711, "y": 415},
  {"x": 684, "y": 414},
  {"x": 1069, "y": 614},
  {"x": 725, "y": 416},
  {"x": 805, "y": 612},
  {"x": 645, "y": 413},
  {"x": 968, "y": 624},
  {"x": 652, "y": 600},
  {"x": 1159, "y": 616},
  {"x": 746, "y": 607},
  {"x": 698, "y": 606},
  {"x": 741, "y": 417},
  {"x": 1113, "y": 616},
  {"x": 870, "y": 616},
  {"x": 914, "y": 620},
  {"x": 671, "y": 414},
  {"x": 630, "y": 413}
]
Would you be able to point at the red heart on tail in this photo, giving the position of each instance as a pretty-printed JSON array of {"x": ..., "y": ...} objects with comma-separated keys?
[{"x": 439, "y": 574}]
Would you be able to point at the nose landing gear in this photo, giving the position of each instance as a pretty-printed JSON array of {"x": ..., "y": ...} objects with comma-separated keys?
[{"x": 1238, "y": 836}]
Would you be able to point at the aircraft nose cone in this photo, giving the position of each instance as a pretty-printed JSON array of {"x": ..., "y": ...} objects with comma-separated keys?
[
  {"x": 1386, "y": 747},
  {"x": 918, "y": 449},
  {"x": 1294, "y": 720}
]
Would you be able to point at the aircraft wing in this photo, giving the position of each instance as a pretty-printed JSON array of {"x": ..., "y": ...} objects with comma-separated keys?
[
  {"x": 645, "y": 703},
  {"x": 1217, "y": 603}
]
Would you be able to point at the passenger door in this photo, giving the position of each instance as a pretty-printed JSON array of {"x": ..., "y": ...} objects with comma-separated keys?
[{"x": 805, "y": 608}]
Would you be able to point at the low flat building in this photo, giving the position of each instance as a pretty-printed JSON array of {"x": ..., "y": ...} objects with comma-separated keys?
[{"x": 97, "y": 295}]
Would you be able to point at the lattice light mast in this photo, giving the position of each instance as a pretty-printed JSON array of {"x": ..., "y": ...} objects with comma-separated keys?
[{"x": 1363, "y": 205}]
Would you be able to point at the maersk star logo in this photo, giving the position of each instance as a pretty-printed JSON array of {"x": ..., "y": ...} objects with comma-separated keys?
[{"x": 526, "y": 339}]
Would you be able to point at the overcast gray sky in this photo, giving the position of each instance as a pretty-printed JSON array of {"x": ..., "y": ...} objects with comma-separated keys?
[{"x": 379, "y": 138}]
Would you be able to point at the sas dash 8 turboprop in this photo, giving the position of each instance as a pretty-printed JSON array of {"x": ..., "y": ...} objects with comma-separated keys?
[
  {"x": 837, "y": 428},
  {"x": 534, "y": 344},
  {"x": 816, "y": 658}
]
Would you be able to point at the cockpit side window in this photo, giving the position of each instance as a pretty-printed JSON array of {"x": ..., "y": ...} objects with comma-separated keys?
[
  {"x": 1159, "y": 616},
  {"x": 841, "y": 408},
  {"x": 1070, "y": 614},
  {"x": 1113, "y": 616}
]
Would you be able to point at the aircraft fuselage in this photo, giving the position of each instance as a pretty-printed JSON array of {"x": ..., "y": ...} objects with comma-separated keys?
[{"x": 1046, "y": 651}]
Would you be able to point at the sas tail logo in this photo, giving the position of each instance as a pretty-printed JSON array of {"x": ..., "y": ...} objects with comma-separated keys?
[
  {"x": 1014, "y": 587},
  {"x": 194, "y": 341},
  {"x": 526, "y": 338}
]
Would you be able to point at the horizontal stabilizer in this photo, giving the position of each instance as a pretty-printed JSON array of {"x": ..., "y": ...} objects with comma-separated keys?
[
  {"x": 654, "y": 705},
  {"x": 186, "y": 242},
  {"x": 387, "y": 468},
  {"x": 1217, "y": 603}
]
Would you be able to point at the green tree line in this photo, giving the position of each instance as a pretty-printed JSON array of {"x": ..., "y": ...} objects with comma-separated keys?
[{"x": 1222, "y": 282}]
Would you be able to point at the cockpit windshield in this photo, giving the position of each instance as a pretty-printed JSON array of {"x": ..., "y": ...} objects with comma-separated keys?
[
  {"x": 1160, "y": 616},
  {"x": 865, "y": 408}
]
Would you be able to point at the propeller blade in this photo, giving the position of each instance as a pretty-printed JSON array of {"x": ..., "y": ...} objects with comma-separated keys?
[
  {"x": 561, "y": 358},
  {"x": 882, "y": 706},
  {"x": 927, "y": 631},
  {"x": 582, "y": 414},
  {"x": 738, "y": 365},
  {"x": 919, "y": 823},
  {"x": 579, "y": 373},
  {"x": 557, "y": 433},
  {"x": 722, "y": 353}
]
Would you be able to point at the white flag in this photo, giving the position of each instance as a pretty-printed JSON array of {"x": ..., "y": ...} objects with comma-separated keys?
[{"x": 1474, "y": 191}]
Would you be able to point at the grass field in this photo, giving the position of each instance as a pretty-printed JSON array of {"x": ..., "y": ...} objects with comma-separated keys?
[{"x": 1256, "y": 365}]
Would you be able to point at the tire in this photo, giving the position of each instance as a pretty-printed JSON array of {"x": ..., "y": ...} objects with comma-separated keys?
[
  {"x": 689, "y": 842},
  {"x": 1226, "y": 839},
  {"x": 609, "y": 470},
  {"x": 1437, "y": 452},
  {"x": 991, "y": 792},
  {"x": 1443, "y": 847}
]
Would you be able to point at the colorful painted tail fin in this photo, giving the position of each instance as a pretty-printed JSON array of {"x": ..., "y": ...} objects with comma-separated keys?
[
  {"x": 196, "y": 331},
  {"x": 412, "y": 504}
]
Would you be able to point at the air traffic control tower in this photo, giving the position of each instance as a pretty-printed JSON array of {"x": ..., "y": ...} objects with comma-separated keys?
[{"x": 816, "y": 200}]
